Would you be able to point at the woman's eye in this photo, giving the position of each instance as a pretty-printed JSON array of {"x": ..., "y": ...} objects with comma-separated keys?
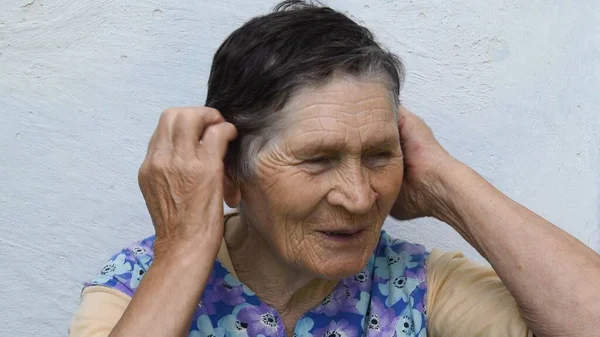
[
  {"x": 317, "y": 164},
  {"x": 378, "y": 158},
  {"x": 381, "y": 155},
  {"x": 317, "y": 160}
]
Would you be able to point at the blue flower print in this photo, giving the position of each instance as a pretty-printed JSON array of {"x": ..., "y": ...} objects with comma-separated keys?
[
  {"x": 393, "y": 264},
  {"x": 138, "y": 251},
  {"x": 136, "y": 276},
  {"x": 385, "y": 299},
  {"x": 341, "y": 329},
  {"x": 142, "y": 255},
  {"x": 117, "y": 266},
  {"x": 229, "y": 278},
  {"x": 363, "y": 280},
  {"x": 390, "y": 241},
  {"x": 362, "y": 306},
  {"x": 303, "y": 327},
  {"x": 115, "y": 274},
  {"x": 398, "y": 288},
  {"x": 233, "y": 327},
  {"x": 206, "y": 329},
  {"x": 411, "y": 323}
]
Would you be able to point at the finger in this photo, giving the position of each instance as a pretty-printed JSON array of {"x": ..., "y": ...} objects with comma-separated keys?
[
  {"x": 151, "y": 144},
  {"x": 403, "y": 115},
  {"x": 402, "y": 111},
  {"x": 409, "y": 123},
  {"x": 189, "y": 125},
  {"x": 216, "y": 138}
]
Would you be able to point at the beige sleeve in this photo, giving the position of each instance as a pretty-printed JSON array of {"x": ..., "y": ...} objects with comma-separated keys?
[
  {"x": 98, "y": 313},
  {"x": 101, "y": 307},
  {"x": 465, "y": 299}
]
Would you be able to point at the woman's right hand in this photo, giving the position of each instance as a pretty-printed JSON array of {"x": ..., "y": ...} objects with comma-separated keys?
[{"x": 181, "y": 178}]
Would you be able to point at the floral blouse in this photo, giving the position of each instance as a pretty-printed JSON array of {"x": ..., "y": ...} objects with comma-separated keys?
[{"x": 387, "y": 298}]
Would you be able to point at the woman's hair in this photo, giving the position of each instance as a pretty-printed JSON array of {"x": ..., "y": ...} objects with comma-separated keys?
[{"x": 263, "y": 63}]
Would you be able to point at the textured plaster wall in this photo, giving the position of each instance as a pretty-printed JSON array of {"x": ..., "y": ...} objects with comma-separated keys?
[{"x": 510, "y": 87}]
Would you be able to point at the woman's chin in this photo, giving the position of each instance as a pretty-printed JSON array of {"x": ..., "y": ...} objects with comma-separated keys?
[
  {"x": 337, "y": 259},
  {"x": 340, "y": 266}
]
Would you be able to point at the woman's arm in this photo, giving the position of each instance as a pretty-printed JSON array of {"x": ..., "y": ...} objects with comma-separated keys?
[
  {"x": 554, "y": 278},
  {"x": 163, "y": 305},
  {"x": 182, "y": 181}
]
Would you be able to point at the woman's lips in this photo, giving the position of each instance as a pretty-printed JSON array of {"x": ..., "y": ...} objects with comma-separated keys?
[
  {"x": 342, "y": 235},
  {"x": 341, "y": 232}
]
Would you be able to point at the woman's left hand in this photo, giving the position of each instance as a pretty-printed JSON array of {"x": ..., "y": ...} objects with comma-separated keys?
[
  {"x": 538, "y": 262},
  {"x": 425, "y": 160}
]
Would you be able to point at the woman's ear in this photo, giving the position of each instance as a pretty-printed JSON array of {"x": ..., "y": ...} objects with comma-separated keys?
[{"x": 231, "y": 190}]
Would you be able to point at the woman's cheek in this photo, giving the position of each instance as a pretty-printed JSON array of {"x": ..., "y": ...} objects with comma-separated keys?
[
  {"x": 388, "y": 182},
  {"x": 303, "y": 193}
]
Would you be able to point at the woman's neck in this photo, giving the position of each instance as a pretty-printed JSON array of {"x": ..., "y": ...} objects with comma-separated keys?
[{"x": 289, "y": 291}]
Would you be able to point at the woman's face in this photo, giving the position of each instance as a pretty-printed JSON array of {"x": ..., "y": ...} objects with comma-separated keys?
[{"x": 328, "y": 179}]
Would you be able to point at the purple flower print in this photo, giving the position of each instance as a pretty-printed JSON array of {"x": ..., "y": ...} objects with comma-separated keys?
[
  {"x": 342, "y": 299},
  {"x": 411, "y": 249},
  {"x": 330, "y": 306},
  {"x": 218, "y": 290},
  {"x": 418, "y": 274},
  {"x": 333, "y": 329},
  {"x": 231, "y": 295},
  {"x": 261, "y": 320},
  {"x": 382, "y": 320},
  {"x": 205, "y": 307}
]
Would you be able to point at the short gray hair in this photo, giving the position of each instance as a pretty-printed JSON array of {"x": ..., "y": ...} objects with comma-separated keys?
[{"x": 262, "y": 64}]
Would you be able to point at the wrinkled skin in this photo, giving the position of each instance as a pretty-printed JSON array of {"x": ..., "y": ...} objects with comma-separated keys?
[
  {"x": 181, "y": 178},
  {"x": 335, "y": 165}
]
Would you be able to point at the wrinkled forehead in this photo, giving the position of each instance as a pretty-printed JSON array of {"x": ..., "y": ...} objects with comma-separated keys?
[
  {"x": 352, "y": 94},
  {"x": 344, "y": 110}
]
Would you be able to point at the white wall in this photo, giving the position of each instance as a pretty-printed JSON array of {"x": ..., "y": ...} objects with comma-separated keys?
[{"x": 510, "y": 87}]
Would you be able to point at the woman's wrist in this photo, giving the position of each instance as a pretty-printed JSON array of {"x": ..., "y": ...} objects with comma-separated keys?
[
  {"x": 449, "y": 192},
  {"x": 202, "y": 243},
  {"x": 168, "y": 294},
  {"x": 187, "y": 250}
]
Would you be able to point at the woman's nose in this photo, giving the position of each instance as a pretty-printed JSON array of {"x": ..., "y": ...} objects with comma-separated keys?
[{"x": 354, "y": 192}]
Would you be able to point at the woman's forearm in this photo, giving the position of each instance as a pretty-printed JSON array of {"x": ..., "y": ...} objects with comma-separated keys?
[
  {"x": 554, "y": 277},
  {"x": 167, "y": 296}
]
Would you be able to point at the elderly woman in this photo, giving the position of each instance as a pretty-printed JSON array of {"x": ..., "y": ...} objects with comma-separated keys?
[{"x": 304, "y": 135}]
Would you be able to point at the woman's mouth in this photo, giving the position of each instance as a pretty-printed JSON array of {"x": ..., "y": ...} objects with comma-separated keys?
[{"x": 343, "y": 235}]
